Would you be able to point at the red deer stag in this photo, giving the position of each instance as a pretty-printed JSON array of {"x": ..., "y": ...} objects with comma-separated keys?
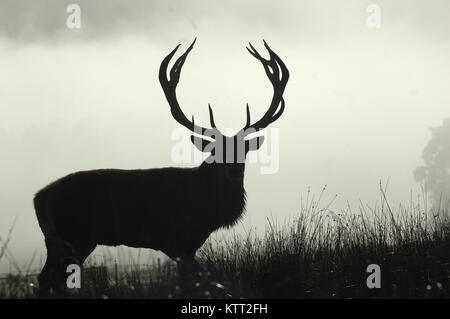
[{"x": 171, "y": 209}]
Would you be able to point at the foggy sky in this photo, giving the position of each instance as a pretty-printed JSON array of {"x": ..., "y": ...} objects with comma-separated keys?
[{"x": 359, "y": 102}]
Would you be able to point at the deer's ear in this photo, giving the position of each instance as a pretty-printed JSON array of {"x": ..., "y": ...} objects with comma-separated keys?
[
  {"x": 201, "y": 144},
  {"x": 254, "y": 143}
]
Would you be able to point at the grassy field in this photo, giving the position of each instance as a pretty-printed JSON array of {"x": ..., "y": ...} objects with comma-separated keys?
[{"x": 319, "y": 254}]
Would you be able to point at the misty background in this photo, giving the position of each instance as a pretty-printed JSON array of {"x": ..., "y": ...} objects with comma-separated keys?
[{"x": 359, "y": 102}]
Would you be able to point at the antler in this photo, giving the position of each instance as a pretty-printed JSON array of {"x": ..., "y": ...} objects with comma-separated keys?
[
  {"x": 274, "y": 67},
  {"x": 169, "y": 87}
]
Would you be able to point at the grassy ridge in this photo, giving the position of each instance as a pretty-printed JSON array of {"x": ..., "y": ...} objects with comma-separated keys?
[{"x": 320, "y": 254}]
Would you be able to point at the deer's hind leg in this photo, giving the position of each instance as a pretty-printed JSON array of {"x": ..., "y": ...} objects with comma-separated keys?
[
  {"x": 50, "y": 274},
  {"x": 60, "y": 254},
  {"x": 44, "y": 278}
]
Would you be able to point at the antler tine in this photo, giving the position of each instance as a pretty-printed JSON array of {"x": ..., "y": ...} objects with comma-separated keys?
[
  {"x": 270, "y": 65},
  {"x": 247, "y": 124},
  {"x": 169, "y": 87},
  {"x": 211, "y": 116},
  {"x": 282, "y": 66},
  {"x": 164, "y": 64},
  {"x": 273, "y": 67},
  {"x": 255, "y": 53},
  {"x": 176, "y": 68},
  {"x": 272, "y": 62}
]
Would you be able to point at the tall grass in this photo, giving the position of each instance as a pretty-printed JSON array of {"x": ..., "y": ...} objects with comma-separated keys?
[
  {"x": 319, "y": 254},
  {"x": 324, "y": 254}
]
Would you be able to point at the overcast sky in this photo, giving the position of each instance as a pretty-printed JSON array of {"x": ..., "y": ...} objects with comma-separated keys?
[{"x": 359, "y": 102}]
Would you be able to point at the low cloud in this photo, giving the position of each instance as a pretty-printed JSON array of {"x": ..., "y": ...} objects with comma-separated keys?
[{"x": 45, "y": 20}]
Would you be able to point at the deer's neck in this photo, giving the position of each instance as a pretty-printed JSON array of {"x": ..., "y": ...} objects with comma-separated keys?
[{"x": 227, "y": 196}]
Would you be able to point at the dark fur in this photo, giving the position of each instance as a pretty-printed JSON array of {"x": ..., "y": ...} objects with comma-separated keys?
[{"x": 169, "y": 209}]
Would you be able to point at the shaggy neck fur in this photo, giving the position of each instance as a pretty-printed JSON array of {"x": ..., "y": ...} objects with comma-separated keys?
[{"x": 228, "y": 196}]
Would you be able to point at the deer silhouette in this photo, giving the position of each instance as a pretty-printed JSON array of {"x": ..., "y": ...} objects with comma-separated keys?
[{"x": 170, "y": 209}]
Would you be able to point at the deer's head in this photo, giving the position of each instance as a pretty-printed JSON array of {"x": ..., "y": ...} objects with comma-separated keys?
[{"x": 227, "y": 153}]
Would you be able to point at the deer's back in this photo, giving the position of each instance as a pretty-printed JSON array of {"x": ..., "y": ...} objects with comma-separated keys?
[{"x": 114, "y": 206}]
